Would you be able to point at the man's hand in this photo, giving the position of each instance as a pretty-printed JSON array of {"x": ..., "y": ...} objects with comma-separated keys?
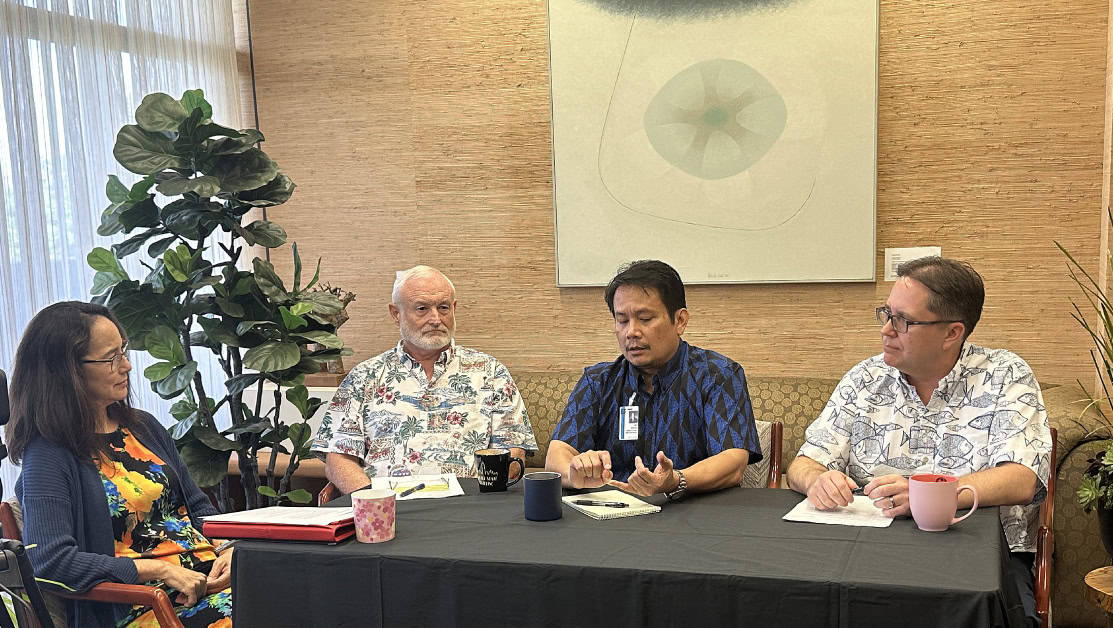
[
  {"x": 220, "y": 576},
  {"x": 831, "y": 490},
  {"x": 645, "y": 482},
  {"x": 890, "y": 494},
  {"x": 590, "y": 469}
]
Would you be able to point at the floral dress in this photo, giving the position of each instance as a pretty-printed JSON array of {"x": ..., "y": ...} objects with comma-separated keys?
[{"x": 148, "y": 522}]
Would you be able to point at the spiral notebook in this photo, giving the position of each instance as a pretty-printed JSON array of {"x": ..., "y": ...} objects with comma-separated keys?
[{"x": 634, "y": 506}]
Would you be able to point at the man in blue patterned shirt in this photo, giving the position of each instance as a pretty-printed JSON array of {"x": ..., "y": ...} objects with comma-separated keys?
[{"x": 662, "y": 399}]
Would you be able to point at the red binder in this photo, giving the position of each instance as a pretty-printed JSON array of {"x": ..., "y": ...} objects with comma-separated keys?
[{"x": 329, "y": 533}]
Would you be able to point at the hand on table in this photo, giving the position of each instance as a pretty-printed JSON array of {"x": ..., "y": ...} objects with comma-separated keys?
[
  {"x": 890, "y": 494},
  {"x": 590, "y": 469},
  {"x": 831, "y": 490},
  {"x": 645, "y": 482}
]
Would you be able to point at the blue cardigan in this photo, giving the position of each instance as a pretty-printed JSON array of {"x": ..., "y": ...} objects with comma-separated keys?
[{"x": 66, "y": 518}]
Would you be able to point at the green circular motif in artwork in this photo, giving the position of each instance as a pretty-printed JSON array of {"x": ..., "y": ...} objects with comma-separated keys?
[{"x": 715, "y": 119}]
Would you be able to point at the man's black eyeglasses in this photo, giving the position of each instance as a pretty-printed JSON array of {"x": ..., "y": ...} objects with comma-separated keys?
[{"x": 900, "y": 323}]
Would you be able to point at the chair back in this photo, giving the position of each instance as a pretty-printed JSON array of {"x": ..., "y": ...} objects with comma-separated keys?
[
  {"x": 766, "y": 473},
  {"x": 1045, "y": 540}
]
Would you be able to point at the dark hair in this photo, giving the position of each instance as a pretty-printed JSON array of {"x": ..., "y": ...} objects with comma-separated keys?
[
  {"x": 48, "y": 392},
  {"x": 645, "y": 274},
  {"x": 957, "y": 291}
]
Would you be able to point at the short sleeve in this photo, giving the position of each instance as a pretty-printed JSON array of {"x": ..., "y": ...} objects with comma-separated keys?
[
  {"x": 510, "y": 426},
  {"x": 577, "y": 426},
  {"x": 822, "y": 443},
  {"x": 342, "y": 429}
]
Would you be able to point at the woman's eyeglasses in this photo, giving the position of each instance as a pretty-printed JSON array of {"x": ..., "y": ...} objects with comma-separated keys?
[{"x": 115, "y": 361}]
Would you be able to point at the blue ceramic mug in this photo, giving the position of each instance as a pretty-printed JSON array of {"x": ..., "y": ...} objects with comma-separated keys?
[{"x": 542, "y": 491}]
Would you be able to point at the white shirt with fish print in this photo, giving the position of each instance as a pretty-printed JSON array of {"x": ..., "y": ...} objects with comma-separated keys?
[{"x": 986, "y": 411}]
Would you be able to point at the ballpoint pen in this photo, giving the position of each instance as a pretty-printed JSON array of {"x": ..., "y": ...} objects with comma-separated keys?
[
  {"x": 596, "y": 502},
  {"x": 411, "y": 490}
]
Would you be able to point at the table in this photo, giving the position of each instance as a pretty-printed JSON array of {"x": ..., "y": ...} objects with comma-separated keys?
[
  {"x": 721, "y": 559},
  {"x": 1099, "y": 591}
]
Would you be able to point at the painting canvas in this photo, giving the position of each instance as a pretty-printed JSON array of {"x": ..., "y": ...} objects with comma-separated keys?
[{"x": 734, "y": 139}]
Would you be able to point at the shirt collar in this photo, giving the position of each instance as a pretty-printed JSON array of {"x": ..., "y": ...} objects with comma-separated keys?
[
  {"x": 442, "y": 359},
  {"x": 668, "y": 373},
  {"x": 947, "y": 382}
]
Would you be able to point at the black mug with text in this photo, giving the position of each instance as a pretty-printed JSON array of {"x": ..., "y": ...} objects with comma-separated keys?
[{"x": 493, "y": 469}]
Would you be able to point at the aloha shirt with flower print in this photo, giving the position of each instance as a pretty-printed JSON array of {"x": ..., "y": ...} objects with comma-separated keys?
[{"x": 399, "y": 422}]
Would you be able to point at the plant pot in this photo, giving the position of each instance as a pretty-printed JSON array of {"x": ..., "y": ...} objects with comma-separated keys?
[{"x": 1105, "y": 526}]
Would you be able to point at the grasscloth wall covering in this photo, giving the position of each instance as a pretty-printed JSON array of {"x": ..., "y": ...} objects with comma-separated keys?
[{"x": 419, "y": 133}]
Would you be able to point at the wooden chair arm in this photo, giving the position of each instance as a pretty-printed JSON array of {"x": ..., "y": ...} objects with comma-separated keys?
[
  {"x": 327, "y": 494},
  {"x": 132, "y": 594},
  {"x": 776, "y": 443},
  {"x": 1045, "y": 545}
]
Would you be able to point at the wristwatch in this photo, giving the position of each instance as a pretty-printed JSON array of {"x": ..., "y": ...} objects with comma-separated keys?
[{"x": 681, "y": 488}]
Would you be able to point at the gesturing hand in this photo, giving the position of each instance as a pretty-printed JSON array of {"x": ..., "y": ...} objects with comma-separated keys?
[
  {"x": 590, "y": 469},
  {"x": 645, "y": 482}
]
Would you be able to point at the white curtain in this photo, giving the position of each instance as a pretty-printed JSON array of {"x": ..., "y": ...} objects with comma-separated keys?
[{"x": 71, "y": 74}]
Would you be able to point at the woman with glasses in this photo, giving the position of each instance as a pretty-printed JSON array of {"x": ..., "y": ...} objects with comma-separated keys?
[{"x": 105, "y": 496}]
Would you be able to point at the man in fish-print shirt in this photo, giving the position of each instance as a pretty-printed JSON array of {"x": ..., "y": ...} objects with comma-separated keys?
[
  {"x": 426, "y": 405},
  {"x": 934, "y": 403}
]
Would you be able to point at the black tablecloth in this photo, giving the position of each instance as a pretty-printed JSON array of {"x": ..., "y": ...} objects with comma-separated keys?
[{"x": 720, "y": 559}]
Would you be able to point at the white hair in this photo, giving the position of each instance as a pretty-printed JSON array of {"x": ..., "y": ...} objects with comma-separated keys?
[{"x": 402, "y": 276}]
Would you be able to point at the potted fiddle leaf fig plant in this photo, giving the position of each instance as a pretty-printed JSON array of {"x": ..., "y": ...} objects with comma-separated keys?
[{"x": 191, "y": 211}]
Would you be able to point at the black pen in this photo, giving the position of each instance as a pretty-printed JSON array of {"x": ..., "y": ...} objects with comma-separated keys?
[
  {"x": 596, "y": 502},
  {"x": 411, "y": 490}
]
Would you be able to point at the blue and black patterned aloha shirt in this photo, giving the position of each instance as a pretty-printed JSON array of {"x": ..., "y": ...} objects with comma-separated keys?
[{"x": 699, "y": 407}]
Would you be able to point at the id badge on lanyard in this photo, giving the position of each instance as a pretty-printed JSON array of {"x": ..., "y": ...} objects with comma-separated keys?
[{"x": 628, "y": 420}]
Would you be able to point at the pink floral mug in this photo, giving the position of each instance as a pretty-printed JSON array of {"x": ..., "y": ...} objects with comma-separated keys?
[{"x": 373, "y": 510}]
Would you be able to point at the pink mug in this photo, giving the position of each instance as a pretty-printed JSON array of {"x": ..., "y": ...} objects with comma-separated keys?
[
  {"x": 373, "y": 510},
  {"x": 933, "y": 500}
]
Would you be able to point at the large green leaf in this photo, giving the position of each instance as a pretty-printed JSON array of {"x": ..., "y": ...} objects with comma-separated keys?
[
  {"x": 276, "y": 192},
  {"x": 178, "y": 263},
  {"x": 268, "y": 281},
  {"x": 202, "y": 186},
  {"x": 267, "y": 233},
  {"x": 229, "y": 307},
  {"x": 195, "y": 99},
  {"x": 135, "y": 242},
  {"x": 141, "y": 214},
  {"x": 245, "y": 326},
  {"x": 179, "y": 430},
  {"x": 245, "y": 171},
  {"x": 101, "y": 258},
  {"x": 207, "y": 466},
  {"x": 183, "y": 216},
  {"x": 158, "y": 247},
  {"x": 212, "y": 439},
  {"x": 184, "y": 406},
  {"x": 163, "y": 343},
  {"x": 299, "y": 397},
  {"x": 290, "y": 320},
  {"x": 324, "y": 303},
  {"x": 273, "y": 355},
  {"x": 157, "y": 371},
  {"x": 323, "y": 338},
  {"x": 216, "y": 332},
  {"x": 239, "y": 383},
  {"x": 249, "y": 426},
  {"x": 102, "y": 281},
  {"x": 146, "y": 153},
  {"x": 160, "y": 112},
  {"x": 141, "y": 188},
  {"x": 115, "y": 190},
  {"x": 177, "y": 381},
  {"x": 139, "y": 308},
  {"x": 298, "y": 496},
  {"x": 110, "y": 221},
  {"x": 299, "y": 434},
  {"x": 301, "y": 307},
  {"x": 231, "y": 145}
]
